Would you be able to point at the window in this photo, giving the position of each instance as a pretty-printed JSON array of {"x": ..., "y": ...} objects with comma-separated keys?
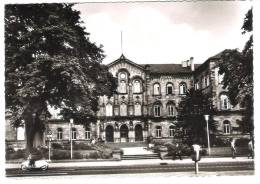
[
  {"x": 224, "y": 102},
  {"x": 136, "y": 86},
  {"x": 87, "y": 133},
  {"x": 196, "y": 86},
  {"x": 122, "y": 87},
  {"x": 220, "y": 78},
  {"x": 157, "y": 110},
  {"x": 123, "y": 109},
  {"x": 227, "y": 127},
  {"x": 183, "y": 88},
  {"x": 207, "y": 80},
  {"x": 109, "y": 109},
  {"x": 156, "y": 89},
  {"x": 158, "y": 132},
  {"x": 138, "y": 111},
  {"x": 171, "y": 109},
  {"x": 169, "y": 89},
  {"x": 59, "y": 134},
  {"x": 74, "y": 134},
  {"x": 20, "y": 133},
  {"x": 171, "y": 131}
]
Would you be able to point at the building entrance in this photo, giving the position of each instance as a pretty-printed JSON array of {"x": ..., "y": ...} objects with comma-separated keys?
[
  {"x": 138, "y": 133},
  {"x": 109, "y": 133},
  {"x": 124, "y": 133}
]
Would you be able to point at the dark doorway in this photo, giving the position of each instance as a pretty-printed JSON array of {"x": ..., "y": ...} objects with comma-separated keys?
[
  {"x": 109, "y": 133},
  {"x": 124, "y": 133},
  {"x": 138, "y": 133}
]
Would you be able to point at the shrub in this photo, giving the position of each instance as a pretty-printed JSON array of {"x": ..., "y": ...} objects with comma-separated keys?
[
  {"x": 77, "y": 155},
  {"x": 242, "y": 142},
  {"x": 16, "y": 155},
  {"x": 93, "y": 155},
  {"x": 220, "y": 142},
  {"x": 106, "y": 155},
  {"x": 60, "y": 154},
  {"x": 82, "y": 146},
  {"x": 56, "y": 146}
]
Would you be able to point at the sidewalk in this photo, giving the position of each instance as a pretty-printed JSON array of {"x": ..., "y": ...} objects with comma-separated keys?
[{"x": 97, "y": 163}]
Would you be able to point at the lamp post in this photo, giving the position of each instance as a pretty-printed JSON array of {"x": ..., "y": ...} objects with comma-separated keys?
[
  {"x": 49, "y": 136},
  {"x": 207, "y": 121},
  {"x": 71, "y": 123}
]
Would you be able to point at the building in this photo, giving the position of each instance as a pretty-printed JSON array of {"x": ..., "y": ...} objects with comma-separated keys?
[{"x": 146, "y": 103}]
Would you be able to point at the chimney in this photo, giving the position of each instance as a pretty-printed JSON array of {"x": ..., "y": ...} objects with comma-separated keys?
[
  {"x": 184, "y": 63},
  {"x": 191, "y": 64}
]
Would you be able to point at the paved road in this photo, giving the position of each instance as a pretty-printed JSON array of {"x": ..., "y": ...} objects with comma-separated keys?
[{"x": 162, "y": 167}]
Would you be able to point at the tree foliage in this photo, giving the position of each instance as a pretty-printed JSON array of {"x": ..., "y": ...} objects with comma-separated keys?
[
  {"x": 193, "y": 107},
  {"x": 50, "y": 61},
  {"x": 237, "y": 68}
]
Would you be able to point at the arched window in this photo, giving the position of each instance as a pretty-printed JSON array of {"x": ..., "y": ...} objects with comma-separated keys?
[
  {"x": 137, "y": 86},
  {"x": 123, "y": 109},
  {"x": 158, "y": 132},
  {"x": 226, "y": 127},
  {"x": 74, "y": 134},
  {"x": 224, "y": 102},
  {"x": 87, "y": 133},
  {"x": 59, "y": 133},
  {"x": 122, "y": 86},
  {"x": 157, "y": 110},
  {"x": 169, "y": 89},
  {"x": 171, "y": 109},
  {"x": 109, "y": 109},
  {"x": 183, "y": 88},
  {"x": 156, "y": 89},
  {"x": 138, "y": 110},
  {"x": 171, "y": 131},
  {"x": 20, "y": 133}
]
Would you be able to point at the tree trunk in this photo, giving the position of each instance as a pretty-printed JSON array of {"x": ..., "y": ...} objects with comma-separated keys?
[{"x": 34, "y": 133}]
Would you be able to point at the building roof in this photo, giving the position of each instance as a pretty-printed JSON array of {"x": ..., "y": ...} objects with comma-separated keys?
[
  {"x": 169, "y": 68},
  {"x": 158, "y": 68}
]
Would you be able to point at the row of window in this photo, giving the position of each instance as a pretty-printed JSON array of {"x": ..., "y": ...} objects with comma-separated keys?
[
  {"x": 169, "y": 88},
  {"x": 157, "y": 109},
  {"x": 158, "y": 131},
  {"x": 137, "y": 86},
  {"x": 73, "y": 134}
]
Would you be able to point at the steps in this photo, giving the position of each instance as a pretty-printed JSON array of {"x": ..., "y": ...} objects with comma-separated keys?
[
  {"x": 127, "y": 144},
  {"x": 141, "y": 156}
]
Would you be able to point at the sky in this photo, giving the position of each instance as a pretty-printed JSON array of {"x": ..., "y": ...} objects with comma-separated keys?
[{"x": 165, "y": 32}]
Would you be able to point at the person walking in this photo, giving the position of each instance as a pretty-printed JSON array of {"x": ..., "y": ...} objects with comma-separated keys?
[
  {"x": 178, "y": 151},
  {"x": 251, "y": 149},
  {"x": 233, "y": 148}
]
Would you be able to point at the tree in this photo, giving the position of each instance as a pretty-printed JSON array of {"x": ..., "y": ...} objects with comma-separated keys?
[
  {"x": 237, "y": 68},
  {"x": 51, "y": 62},
  {"x": 193, "y": 107}
]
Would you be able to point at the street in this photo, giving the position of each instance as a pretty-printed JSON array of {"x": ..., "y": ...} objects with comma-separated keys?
[{"x": 159, "y": 168}]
